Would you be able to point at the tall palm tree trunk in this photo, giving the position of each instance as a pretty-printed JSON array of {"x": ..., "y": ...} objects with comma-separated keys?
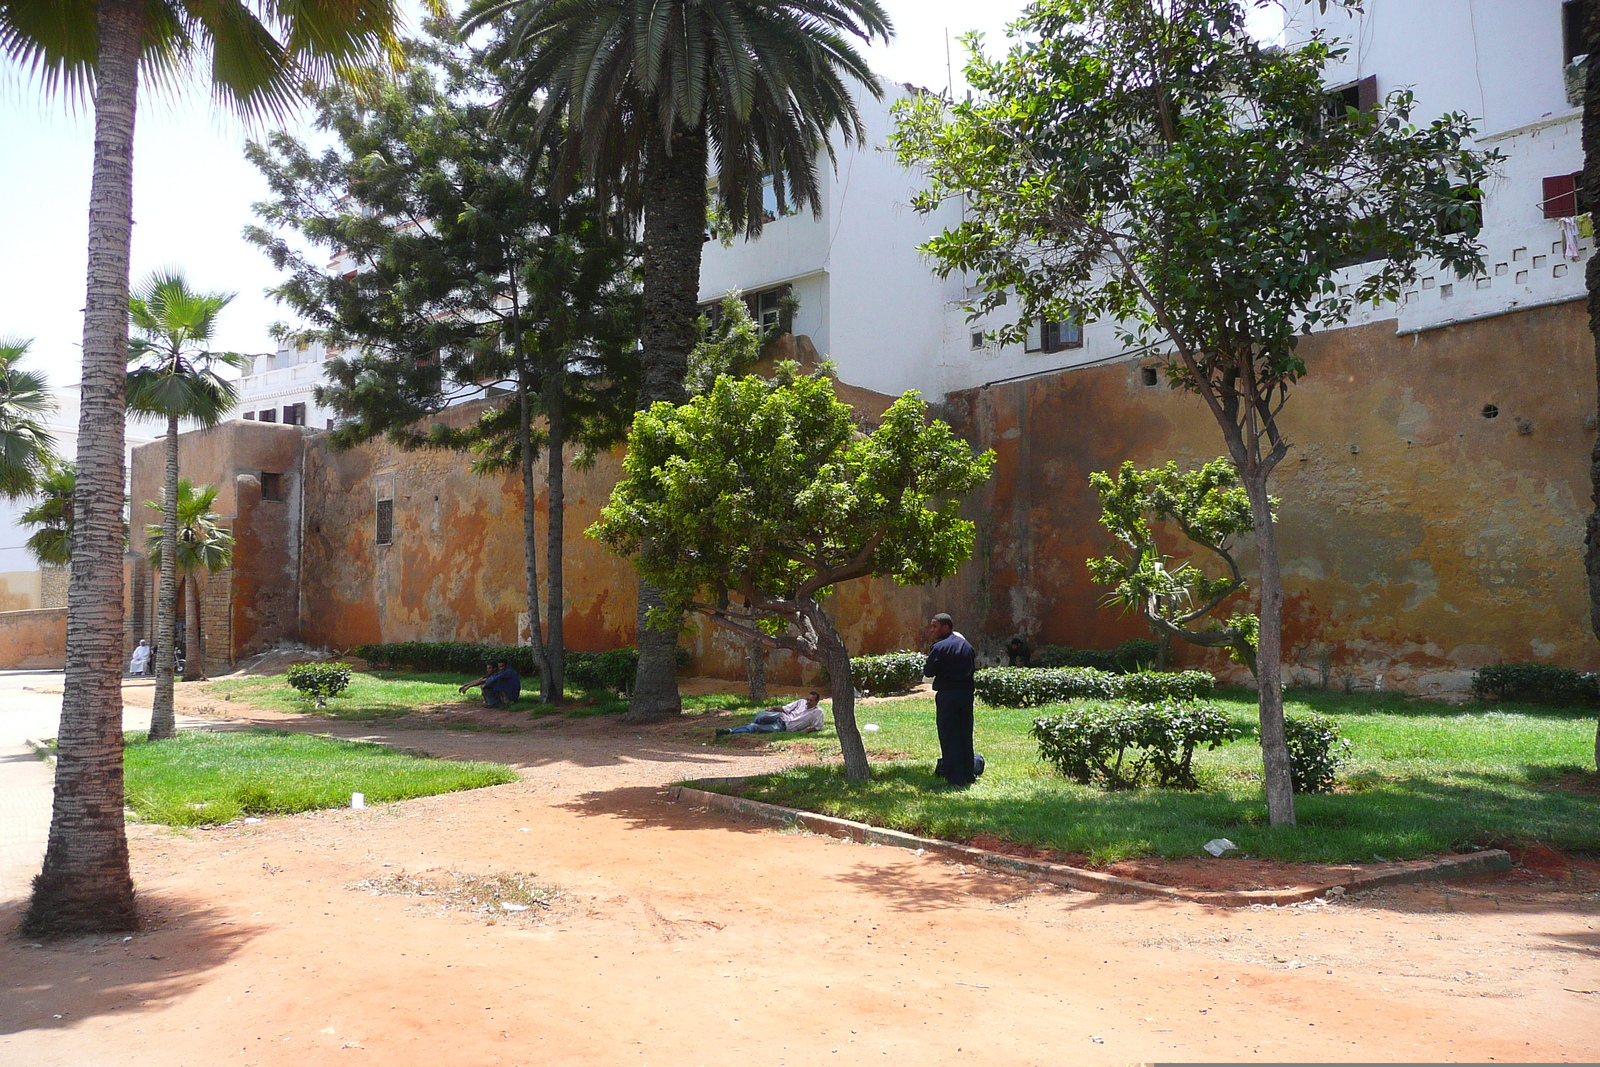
[
  {"x": 85, "y": 885},
  {"x": 530, "y": 543},
  {"x": 555, "y": 536},
  {"x": 163, "y": 724},
  {"x": 194, "y": 652},
  {"x": 674, "y": 194}
]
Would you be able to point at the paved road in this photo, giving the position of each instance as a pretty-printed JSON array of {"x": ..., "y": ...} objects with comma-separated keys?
[{"x": 30, "y": 706}]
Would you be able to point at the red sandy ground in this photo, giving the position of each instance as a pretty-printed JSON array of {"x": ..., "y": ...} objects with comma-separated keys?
[{"x": 684, "y": 937}]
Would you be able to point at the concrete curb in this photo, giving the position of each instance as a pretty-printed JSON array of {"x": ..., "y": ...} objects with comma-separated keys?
[
  {"x": 1077, "y": 877},
  {"x": 43, "y": 751}
]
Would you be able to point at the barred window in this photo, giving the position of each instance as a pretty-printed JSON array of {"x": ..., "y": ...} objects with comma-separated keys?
[{"x": 386, "y": 522}]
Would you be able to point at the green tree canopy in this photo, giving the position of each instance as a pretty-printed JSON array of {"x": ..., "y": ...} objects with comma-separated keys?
[
  {"x": 27, "y": 449},
  {"x": 748, "y": 504},
  {"x": 1148, "y": 163},
  {"x": 51, "y": 513}
]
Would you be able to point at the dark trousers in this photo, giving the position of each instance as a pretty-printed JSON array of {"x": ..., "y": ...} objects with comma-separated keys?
[{"x": 953, "y": 714}]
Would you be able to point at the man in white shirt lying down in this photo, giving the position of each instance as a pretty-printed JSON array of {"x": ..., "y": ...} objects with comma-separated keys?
[{"x": 799, "y": 716}]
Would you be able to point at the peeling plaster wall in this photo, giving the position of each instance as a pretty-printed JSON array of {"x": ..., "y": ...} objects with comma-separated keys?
[{"x": 1419, "y": 539}]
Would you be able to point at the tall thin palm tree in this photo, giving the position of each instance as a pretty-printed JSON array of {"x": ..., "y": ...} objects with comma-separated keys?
[
  {"x": 26, "y": 448},
  {"x": 173, "y": 375},
  {"x": 257, "y": 53},
  {"x": 51, "y": 512},
  {"x": 652, "y": 91},
  {"x": 202, "y": 546}
]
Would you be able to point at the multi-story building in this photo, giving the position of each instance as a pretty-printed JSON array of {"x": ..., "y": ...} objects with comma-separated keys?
[{"x": 280, "y": 387}]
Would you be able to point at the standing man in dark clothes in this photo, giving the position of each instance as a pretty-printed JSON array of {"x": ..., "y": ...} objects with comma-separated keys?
[{"x": 950, "y": 664}]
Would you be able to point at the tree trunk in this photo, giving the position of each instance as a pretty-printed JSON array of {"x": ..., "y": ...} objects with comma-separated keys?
[
  {"x": 85, "y": 886},
  {"x": 530, "y": 543},
  {"x": 674, "y": 191},
  {"x": 836, "y": 657},
  {"x": 1269, "y": 656},
  {"x": 755, "y": 669},
  {"x": 555, "y": 407},
  {"x": 1589, "y": 194},
  {"x": 162, "y": 723},
  {"x": 194, "y": 651}
]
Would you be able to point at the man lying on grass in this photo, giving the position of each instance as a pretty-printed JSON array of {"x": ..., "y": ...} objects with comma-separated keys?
[{"x": 798, "y": 717}]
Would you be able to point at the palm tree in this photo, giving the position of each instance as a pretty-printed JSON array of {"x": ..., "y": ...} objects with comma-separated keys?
[
  {"x": 26, "y": 447},
  {"x": 203, "y": 545},
  {"x": 650, "y": 91},
  {"x": 51, "y": 543},
  {"x": 257, "y": 53},
  {"x": 174, "y": 376}
]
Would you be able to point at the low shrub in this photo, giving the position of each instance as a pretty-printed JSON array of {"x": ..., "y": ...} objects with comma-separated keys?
[
  {"x": 613, "y": 669},
  {"x": 891, "y": 672},
  {"x": 1316, "y": 751},
  {"x": 1020, "y": 687},
  {"x": 320, "y": 680},
  {"x": 1134, "y": 655},
  {"x": 1117, "y": 745},
  {"x": 1538, "y": 683},
  {"x": 1030, "y": 687},
  {"x": 1150, "y": 686}
]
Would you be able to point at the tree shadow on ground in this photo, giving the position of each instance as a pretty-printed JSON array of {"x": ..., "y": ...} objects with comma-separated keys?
[{"x": 59, "y": 984}]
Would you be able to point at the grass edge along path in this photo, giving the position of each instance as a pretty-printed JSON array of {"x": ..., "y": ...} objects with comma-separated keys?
[
  {"x": 1425, "y": 779},
  {"x": 205, "y": 777}
]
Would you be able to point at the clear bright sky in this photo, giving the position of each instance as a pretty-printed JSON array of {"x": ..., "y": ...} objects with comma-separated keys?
[{"x": 193, "y": 190}]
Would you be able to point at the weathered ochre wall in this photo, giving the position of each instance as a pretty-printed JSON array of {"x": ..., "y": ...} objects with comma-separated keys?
[
  {"x": 33, "y": 640},
  {"x": 20, "y": 591},
  {"x": 1419, "y": 539}
]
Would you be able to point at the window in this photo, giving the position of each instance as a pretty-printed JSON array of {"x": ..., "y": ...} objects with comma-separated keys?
[
  {"x": 769, "y": 202},
  {"x": 1148, "y": 377},
  {"x": 269, "y": 415},
  {"x": 386, "y": 522},
  {"x": 1361, "y": 95},
  {"x": 1561, "y": 196},
  {"x": 271, "y": 486},
  {"x": 294, "y": 414},
  {"x": 1048, "y": 335},
  {"x": 977, "y": 340},
  {"x": 1574, "y": 20},
  {"x": 250, "y": 416}
]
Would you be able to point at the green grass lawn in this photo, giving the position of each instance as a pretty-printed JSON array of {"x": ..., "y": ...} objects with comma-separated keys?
[
  {"x": 203, "y": 777},
  {"x": 1424, "y": 778}
]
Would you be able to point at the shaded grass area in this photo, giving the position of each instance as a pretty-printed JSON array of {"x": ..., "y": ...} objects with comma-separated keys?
[
  {"x": 200, "y": 777},
  {"x": 392, "y": 694},
  {"x": 1424, "y": 778}
]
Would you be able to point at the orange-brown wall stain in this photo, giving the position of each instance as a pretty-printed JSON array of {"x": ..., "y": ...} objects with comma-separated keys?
[{"x": 33, "y": 640}]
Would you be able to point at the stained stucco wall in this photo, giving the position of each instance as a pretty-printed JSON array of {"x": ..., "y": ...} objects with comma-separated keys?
[
  {"x": 33, "y": 640},
  {"x": 1419, "y": 538}
]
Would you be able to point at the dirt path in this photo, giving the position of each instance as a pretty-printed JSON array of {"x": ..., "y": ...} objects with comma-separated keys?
[{"x": 679, "y": 937}]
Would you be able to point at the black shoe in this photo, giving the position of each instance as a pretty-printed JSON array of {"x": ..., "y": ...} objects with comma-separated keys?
[{"x": 721, "y": 731}]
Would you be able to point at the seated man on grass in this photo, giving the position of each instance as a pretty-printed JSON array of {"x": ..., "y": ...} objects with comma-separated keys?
[
  {"x": 501, "y": 686},
  {"x": 798, "y": 716}
]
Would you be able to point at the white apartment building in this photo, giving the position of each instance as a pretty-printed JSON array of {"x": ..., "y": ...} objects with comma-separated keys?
[
  {"x": 279, "y": 387},
  {"x": 871, "y": 302}
]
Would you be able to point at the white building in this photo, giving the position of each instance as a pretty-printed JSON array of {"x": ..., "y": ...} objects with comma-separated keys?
[
  {"x": 279, "y": 387},
  {"x": 871, "y": 302}
]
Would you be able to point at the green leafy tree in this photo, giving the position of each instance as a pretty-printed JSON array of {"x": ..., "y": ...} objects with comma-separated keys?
[
  {"x": 174, "y": 375},
  {"x": 203, "y": 546},
  {"x": 751, "y": 502},
  {"x": 1211, "y": 509},
  {"x": 461, "y": 269},
  {"x": 1148, "y": 163},
  {"x": 51, "y": 512},
  {"x": 27, "y": 448},
  {"x": 650, "y": 93},
  {"x": 256, "y": 54}
]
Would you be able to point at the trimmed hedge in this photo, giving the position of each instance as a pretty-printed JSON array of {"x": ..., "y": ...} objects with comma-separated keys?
[
  {"x": 319, "y": 680},
  {"x": 612, "y": 670},
  {"x": 1127, "y": 657},
  {"x": 1316, "y": 750},
  {"x": 892, "y": 672},
  {"x": 1091, "y": 743},
  {"x": 1537, "y": 683},
  {"x": 1031, "y": 687}
]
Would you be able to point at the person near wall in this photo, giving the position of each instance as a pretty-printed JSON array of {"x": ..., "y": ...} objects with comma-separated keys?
[
  {"x": 950, "y": 664},
  {"x": 502, "y": 685},
  {"x": 1018, "y": 652},
  {"x": 797, "y": 716},
  {"x": 141, "y": 659}
]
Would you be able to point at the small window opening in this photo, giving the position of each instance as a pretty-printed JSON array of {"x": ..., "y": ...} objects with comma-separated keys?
[
  {"x": 977, "y": 340},
  {"x": 1574, "y": 28},
  {"x": 249, "y": 416},
  {"x": 269, "y": 415},
  {"x": 1490, "y": 411},
  {"x": 1360, "y": 96},
  {"x": 1148, "y": 376},
  {"x": 271, "y": 486},
  {"x": 294, "y": 415},
  {"x": 1047, "y": 335},
  {"x": 386, "y": 522},
  {"x": 1561, "y": 195}
]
